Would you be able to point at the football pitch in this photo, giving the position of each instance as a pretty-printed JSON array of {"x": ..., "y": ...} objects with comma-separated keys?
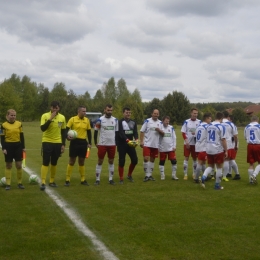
[{"x": 161, "y": 220}]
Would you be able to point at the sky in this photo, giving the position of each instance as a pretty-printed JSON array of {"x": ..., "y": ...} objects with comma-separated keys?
[{"x": 208, "y": 50}]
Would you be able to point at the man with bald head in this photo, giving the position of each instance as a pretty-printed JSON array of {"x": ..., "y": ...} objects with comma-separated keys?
[{"x": 149, "y": 141}]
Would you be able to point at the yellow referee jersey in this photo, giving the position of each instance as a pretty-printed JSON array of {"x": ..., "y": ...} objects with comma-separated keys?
[
  {"x": 80, "y": 126},
  {"x": 53, "y": 132},
  {"x": 12, "y": 131}
]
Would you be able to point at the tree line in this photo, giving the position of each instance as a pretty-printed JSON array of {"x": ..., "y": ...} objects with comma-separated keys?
[
  {"x": 31, "y": 100},
  {"x": 239, "y": 116}
]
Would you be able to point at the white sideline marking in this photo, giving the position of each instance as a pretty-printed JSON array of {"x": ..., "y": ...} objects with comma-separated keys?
[{"x": 76, "y": 220}]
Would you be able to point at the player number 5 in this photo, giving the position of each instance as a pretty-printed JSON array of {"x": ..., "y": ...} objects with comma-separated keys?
[{"x": 252, "y": 135}]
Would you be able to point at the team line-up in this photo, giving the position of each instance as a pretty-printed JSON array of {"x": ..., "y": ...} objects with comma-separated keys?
[{"x": 205, "y": 141}]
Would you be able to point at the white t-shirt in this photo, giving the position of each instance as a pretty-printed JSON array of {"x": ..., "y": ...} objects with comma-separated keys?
[
  {"x": 201, "y": 137},
  {"x": 215, "y": 133},
  {"x": 107, "y": 128},
  {"x": 231, "y": 130},
  {"x": 167, "y": 142},
  {"x": 151, "y": 136},
  {"x": 252, "y": 133},
  {"x": 189, "y": 127}
]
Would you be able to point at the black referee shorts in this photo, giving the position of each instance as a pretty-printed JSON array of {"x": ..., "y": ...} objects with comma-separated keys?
[
  {"x": 78, "y": 147},
  {"x": 14, "y": 151},
  {"x": 50, "y": 153}
]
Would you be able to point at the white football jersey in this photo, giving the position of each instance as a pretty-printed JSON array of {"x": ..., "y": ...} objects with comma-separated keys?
[
  {"x": 201, "y": 137},
  {"x": 107, "y": 128},
  {"x": 167, "y": 142},
  {"x": 151, "y": 136},
  {"x": 231, "y": 130},
  {"x": 215, "y": 133},
  {"x": 189, "y": 127},
  {"x": 252, "y": 133}
]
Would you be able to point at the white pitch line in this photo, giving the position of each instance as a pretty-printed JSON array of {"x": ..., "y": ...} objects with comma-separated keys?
[{"x": 76, "y": 220}]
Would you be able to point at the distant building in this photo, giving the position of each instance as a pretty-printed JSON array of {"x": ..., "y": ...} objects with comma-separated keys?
[
  {"x": 229, "y": 110},
  {"x": 93, "y": 116},
  {"x": 252, "y": 109}
]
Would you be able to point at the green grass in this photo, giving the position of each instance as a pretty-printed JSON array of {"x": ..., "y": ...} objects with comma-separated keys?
[{"x": 156, "y": 220}]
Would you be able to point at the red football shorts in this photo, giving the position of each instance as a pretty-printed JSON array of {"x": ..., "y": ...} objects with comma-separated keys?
[
  {"x": 232, "y": 154},
  {"x": 216, "y": 158},
  {"x": 150, "y": 152},
  {"x": 191, "y": 151},
  {"x": 110, "y": 150},
  {"x": 253, "y": 153},
  {"x": 171, "y": 156},
  {"x": 202, "y": 156}
]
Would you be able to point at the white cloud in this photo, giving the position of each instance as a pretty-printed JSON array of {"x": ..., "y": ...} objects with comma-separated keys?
[
  {"x": 134, "y": 69},
  {"x": 201, "y": 45},
  {"x": 134, "y": 37},
  {"x": 41, "y": 22},
  {"x": 198, "y": 7},
  {"x": 207, "y": 50},
  {"x": 231, "y": 70}
]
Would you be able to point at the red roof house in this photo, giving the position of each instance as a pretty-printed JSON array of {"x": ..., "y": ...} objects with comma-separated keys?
[{"x": 252, "y": 110}]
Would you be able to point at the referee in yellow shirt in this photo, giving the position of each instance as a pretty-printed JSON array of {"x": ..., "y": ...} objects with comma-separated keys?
[
  {"x": 53, "y": 126},
  {"x": 12, "y": 140},
  {"x": 78, "y": 147}
]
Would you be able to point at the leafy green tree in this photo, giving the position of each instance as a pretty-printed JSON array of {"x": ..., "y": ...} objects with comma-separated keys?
[
  {"x": 154, "y": 104},
  {"x": 122, "y": 96},
  {"x": 70, "y": 108},
  {"x": 136, "y": 96},
  {"x": 29, "y": 97},
  {"x": 59, "y": 93},
  {"x": 240, "y": 117},
  {"x": 126, "y": 99},
  {"x": 98, "y": 102},
  {"x": 221, "y": 106},
  {"x": 109, "y": 91},
  {"x": 15, "y": 80},
  {"x": 209, "y": 109},
  {"x": 9, "y": 99},
  {"x": 122, "y": 91},
  {"x": 85, "y": 100},
  {"x": 27, "y": 91},
  {"x": 177, "y": 106},
  {"x": 42, "y": 99},
  {"x": 137, "y": 107}
]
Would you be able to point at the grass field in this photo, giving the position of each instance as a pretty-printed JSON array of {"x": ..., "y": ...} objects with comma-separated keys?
[{"x": 166, "y": 220}]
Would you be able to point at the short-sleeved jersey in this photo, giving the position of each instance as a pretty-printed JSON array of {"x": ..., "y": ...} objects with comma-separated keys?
[
  {"x": 80, "y": 125},
  {"x": 189, "y": 127},
  {"x": 107, "y": 127},
  {"x": 53, "y": 132},
  {"x": 215, "y": 133},
  {"x": 11, "y": 131},
  {"x": 151, "y": 136},
  {"x": 201, "y": 137},
  {"x": 252, "y": 133},
  {"x": 231, "y": 130},
  {"x": 127, "y": 129},
  {"x": 167, "y": 142}
]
